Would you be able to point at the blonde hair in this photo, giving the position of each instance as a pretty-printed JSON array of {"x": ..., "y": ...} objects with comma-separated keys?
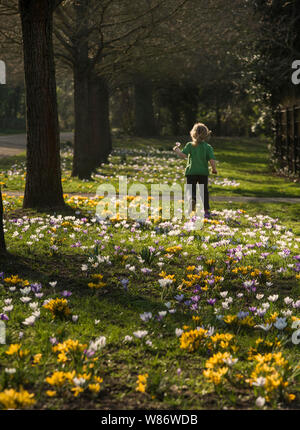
[{"x": 199, "y": 133}]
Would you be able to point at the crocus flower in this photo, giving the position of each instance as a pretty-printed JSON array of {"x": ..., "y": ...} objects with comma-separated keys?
[
  {"x": 29, "y": 321},
  {"x": 178, "y": 332},
  {"x": 125, "y": 283},
  {"x": 140, "y": 333},
  {"x": 265, "y": 327},
  {"x": 146, "y": 316},
  {"x": 260, "y": 401},
  {"x": 53, "y": 284},
  {"x": 211, "y": 301},
  {"x": 66, "y": 293},
  {"x": 280, "y": 323},
  {"x": 53, "y": 340},
  {"x": 36, "y": 287}
]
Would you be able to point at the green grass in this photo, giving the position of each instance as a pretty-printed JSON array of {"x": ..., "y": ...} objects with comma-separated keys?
[
  {"x": 245, "y": 161},
  {"x": 45, "y": 247},
  {"x": 286, "y": 213}
]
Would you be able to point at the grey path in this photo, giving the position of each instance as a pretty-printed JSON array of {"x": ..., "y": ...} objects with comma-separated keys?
[
  {"x": 16, "y": 143},
  {"x": 228, "y": 199},
  {"x": 246, "y": 199}
]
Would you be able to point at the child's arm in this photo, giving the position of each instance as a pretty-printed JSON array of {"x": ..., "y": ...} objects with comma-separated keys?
[
  {"x": 213, "y": 165},
  {"x": 178, "y": 152}
]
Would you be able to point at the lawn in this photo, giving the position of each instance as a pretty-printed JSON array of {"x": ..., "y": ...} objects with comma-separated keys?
[
  {"x": 242, "y": 163},
  {"x": 116, "y": 314}
]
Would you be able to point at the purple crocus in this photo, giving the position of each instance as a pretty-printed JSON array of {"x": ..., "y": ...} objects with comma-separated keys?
[
  {"x": 53, "y": 340},
  {"x": 296, "y": 305},
  {"x": 125, "y": 283},
  {"x": 261, "y": 312},
  {"x": 179, "y": 297},
  {"x": 241, "y": 315},
  {"x": 36, "y": 287},
  {"x": 66, "y": 293},
  {"x": 197, "y": 288},
  {"x": 76, "y": 245},
  {"x": 211, "y": 301},
  {"x": 4, "y": 317},
  {"x": 89, "y": 352}
]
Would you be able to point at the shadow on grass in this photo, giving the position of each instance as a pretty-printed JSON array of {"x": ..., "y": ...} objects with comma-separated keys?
[
  {"x": 66, "y": 270},
  {"x": 40, "y": 212}
]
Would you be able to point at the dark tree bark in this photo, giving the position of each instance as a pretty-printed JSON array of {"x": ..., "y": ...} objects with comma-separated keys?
[
  {"x": 92, "y": 142},
  {"x": 190, "y": 114},
  {"x": 43, "y": 181},
  {"x": 175, "y": 120},
  {"x": 82, "y": 160},
  {"x": 190, "y": 105},
  {"x": 82, "y": 165},
  {"x": 2, "y": 240},
  {"x": 218, "y": 117},
  {"x": 99, "y": 122},
  {"x": 123, "y": 110},
  {"x": 144, "y": 113}
]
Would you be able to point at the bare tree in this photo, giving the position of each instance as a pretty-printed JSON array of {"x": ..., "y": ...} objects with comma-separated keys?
[{"x": 97, "y": 40}]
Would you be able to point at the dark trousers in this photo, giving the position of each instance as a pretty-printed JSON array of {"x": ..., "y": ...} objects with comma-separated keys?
[{"x": 199, "y": 179}]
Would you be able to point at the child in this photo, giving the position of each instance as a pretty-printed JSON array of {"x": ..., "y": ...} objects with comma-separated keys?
[{"x": 199, "y": 153}]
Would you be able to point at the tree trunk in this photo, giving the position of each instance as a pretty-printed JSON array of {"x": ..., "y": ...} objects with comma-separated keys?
[
  {"x": 218, "y": 117},
  {"x": 123, "y": 110},
  {"x": 190, "y": 105},
  {"x": 175, "y": 120},
  {"x": 2, "y": 240},
  {"x": 92, "y": 141},
  {"x": 83, "y": 163},
  {"x": 43, "y": 180},
  {"x": 190, "y": 114},
  {"x": 144, "y": 113},
  {"x": 82, "y": 160},
  {"x": 99, "y": 123}
]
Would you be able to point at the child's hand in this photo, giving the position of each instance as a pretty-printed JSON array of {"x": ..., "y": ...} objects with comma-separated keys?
[{"x": 176, "y": 147}]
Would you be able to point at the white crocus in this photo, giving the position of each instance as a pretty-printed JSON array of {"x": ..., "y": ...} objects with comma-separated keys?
[
  {"x": 178, "y": 332},
  {"x": 140, "y": 333}
]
